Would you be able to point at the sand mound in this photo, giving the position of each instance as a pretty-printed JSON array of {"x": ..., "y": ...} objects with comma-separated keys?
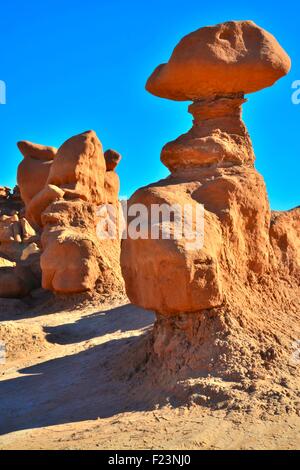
[
  {"x": 243, "y": 356},
  {"x": 21, "y": 341}
]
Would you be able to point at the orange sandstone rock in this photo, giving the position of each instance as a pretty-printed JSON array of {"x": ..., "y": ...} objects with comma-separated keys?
[
  {"x": 61, "y": 190},
  {"x": 112, "y": 159},
  {"x": 79, "y": 168},
  {"x": 42, "y": 200},
  {"x": 212, "y": 165},
  {"x": 4, "y": 192},
  {"x": 218, "y": 137},
  {"x": 229, "y": 58},
  {"x": 112, "y": 187},
  {"x": 70, "y": 260},
  {"x": 73, "y": 259},
  {"x": 222, "y": 307},
  {"x": 285, "y": 239},
  {"x": 19, "y": 256},
  {"x": 163, "y": 274},
  {"x": 33, "y": 171}
]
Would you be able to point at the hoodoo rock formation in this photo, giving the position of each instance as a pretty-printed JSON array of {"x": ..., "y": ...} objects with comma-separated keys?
[
  {"x": 33, "y": 171},
  {"x": 19, "y": 248},
  {"x": 53, "y": 231},
  {"x": 73, "y": 259},
  {"x": 111, "y": 180},
  {"x": 250, "y": 256}
]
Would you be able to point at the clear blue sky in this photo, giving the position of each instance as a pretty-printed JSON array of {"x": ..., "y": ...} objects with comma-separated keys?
[{"x": 75, "y": 65}]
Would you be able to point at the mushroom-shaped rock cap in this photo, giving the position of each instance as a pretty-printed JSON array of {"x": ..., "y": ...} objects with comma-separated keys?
[{"x": 232, "y": 57}]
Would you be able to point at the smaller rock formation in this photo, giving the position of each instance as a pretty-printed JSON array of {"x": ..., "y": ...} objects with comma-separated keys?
[
  {"x": 10, "y": 202},
  {"x": 4, "y": 192},
  {"x": 112, "y": 159},
  {"x": 72, "y": 182},
  {"x": 285, "y": 239},
  {"x": 111, "y": 181},
  {"x": 19, "y": 250},
  {"x": 71, "y": 256},
  {"x": 49, "y": 236},
  {"x": 225, "y": 59},
  {"x": 33, "y": 171}
]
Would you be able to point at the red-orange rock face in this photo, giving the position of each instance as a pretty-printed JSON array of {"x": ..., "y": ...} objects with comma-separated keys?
[
  {"x": 212, "y": 165},
  {"x": 229, "y": 58},
  {"x": 64, "y": 204},
  {"x": 163, "y": 274},
  {"x": 19, "y": 250},
  {"x": 112, "y": 159},
  {"x": 285, "y": 239},
  {"x": 33, "y": 171},
  {"x": 172, "y": 277},
  {"x": 79, "y": 168},
  {"x": 218, "y": 137}
]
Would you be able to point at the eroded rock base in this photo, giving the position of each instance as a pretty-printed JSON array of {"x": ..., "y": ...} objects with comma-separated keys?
[{"x": 241, "y": 356}]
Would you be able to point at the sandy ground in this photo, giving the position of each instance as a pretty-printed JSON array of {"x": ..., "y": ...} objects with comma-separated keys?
[{"x": 58, "y": 391}]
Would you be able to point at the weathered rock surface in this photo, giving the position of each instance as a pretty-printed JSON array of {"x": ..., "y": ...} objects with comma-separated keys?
[
  {"x": 33, "y": 171},
  {"x": 56, "y": 245},
  {"x": 72, "y": 261},
  {"x": 4, "y": 192},
  {"x": 231, "y": 57},
  {"x": 79, "y": 168},
  {"x": 65, "y": 208},
  {"x": 250, "y": 256},
  {"x": 111, "y": 180},
  {"x": 285, "y": 239},
  {"x": 112, "y": 159},
  {"x": 218, "y": 137},
  {"x": 71, "y": 252},
  {"x": 19, "y": 252},
  {"x": 16, "y": 281},
  {"x": 170, "y": 276},
  {"x": 10, "y": 201},
  {"x": 112, "y": 187}
]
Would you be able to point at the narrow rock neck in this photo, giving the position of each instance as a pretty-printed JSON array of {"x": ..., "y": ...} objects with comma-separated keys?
[
  {"x": 218, "y": 114},
  {"x": 218, "y": 107},
  {"x": 218, "y": 136}
]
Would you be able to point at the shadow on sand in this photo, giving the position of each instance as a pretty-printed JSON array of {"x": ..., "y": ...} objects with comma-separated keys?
[
  {"x": 83, "y": 386},
  {"x": 123, "y": 318}
]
